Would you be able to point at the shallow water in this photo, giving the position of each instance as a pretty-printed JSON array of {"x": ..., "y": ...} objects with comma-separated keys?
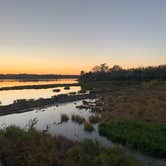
[
  {"x": 9, "y": 83},
  {"x": 49, "y": 118},
  {"x": 8, "y": 96}
]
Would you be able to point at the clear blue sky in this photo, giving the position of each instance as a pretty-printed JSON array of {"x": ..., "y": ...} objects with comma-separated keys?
[{"x": 66, "y": 36}]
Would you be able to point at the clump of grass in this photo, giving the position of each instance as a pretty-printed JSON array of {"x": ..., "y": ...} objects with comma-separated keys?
[
  {"x": 94, "y": 119},
  {"x": 67, "y": 87},
  {"x": 88, "y": 126},
  {"x": 146, "y": 137},
  {"x": 56, "y": 90},
  {"x": 78, "y": 119},
  {"x": 64, "y": 118}
]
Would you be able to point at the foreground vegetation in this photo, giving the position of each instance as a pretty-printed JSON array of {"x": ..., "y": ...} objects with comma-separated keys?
[
  {"x": 31, "y": 148},
  {"x": 146, "y": 137}
]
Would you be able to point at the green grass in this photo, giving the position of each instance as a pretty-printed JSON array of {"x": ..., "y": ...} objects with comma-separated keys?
[
  {"x": 146, "y": 137},
  {"x": 33, "y": 148},
  {"x": 78, "y": 119}
]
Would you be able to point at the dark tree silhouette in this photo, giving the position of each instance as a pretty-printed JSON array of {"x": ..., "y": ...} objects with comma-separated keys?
[{"x": 104, "y": 73}]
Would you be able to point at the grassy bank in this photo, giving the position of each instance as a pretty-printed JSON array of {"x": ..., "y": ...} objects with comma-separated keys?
[
  {"x": 146, "y": 137},
  {"x": 31, "y": 148},
  {"x": 24, "y": 105}
]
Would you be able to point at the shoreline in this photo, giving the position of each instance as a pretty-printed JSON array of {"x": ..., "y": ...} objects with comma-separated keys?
[{"x": 23, "y": 105}]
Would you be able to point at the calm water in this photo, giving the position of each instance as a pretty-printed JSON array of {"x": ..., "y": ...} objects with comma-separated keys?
[
  {"x": 7, "y": 97},
  {"x": 51, "y": 116},
  {"x": 9, "y": 83}
]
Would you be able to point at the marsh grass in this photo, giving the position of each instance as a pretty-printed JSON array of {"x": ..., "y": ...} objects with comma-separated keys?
[
  {"x": 78, "y": 119},
  {"x": 94, "y": 119},
  {"x": 64, "y": 118},
  {"x": 146, "y": 137},
  {"x": 88, "y": 126}
]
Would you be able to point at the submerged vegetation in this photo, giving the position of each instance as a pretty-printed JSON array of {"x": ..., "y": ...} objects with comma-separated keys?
[{"x": 146, "y": 137}]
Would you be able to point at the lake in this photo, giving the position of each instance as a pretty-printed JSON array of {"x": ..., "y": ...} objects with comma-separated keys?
[{"x": 8, "y": 96}]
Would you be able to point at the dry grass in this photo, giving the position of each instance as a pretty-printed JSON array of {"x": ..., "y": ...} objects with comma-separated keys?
[{"x": 142, "y": 104}]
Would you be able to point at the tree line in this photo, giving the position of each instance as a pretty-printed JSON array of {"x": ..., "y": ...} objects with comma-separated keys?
[{"x": 105, "y": 73}]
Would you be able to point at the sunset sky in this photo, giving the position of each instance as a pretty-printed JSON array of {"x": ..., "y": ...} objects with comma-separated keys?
[{"x": 66, "y": 36}]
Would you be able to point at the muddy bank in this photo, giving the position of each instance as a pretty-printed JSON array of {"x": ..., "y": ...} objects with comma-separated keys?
[{"x": 26, "y": 105}]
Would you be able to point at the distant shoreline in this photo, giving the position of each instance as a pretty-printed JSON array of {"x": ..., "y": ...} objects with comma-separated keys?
[
  {"x": 44, "y": 86},
  {"x": 35, "y": 76}
]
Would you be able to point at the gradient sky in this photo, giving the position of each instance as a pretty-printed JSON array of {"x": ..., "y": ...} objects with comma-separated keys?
[{"x": 66, "y": 36}]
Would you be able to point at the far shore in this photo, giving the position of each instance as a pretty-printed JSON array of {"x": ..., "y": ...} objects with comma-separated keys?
[{"x": 44, "y": 86}]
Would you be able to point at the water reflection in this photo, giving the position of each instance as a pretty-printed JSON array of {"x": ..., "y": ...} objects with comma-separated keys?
[
  {"x": 51, "y": 116},
  {"x": 7, "y": 97},
  {"x": 9, "y": 83}
]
